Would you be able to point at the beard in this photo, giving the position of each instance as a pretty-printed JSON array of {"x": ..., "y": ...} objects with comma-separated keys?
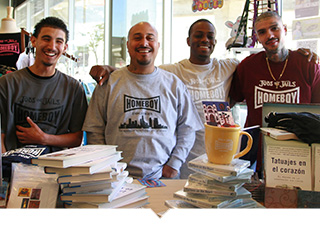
[
  {"x": 47, "y": 64},
  {"x": 144, "y": 62}
]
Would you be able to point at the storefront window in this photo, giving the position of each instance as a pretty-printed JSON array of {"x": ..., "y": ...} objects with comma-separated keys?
[
  {"x": 87, "y": 28},
  {"x": 88, "y": 43},
  {"x": 37, "y": 11},
  {"x": 59, "y": 8},
  {"x": 21, "y": 16},
  {"x": 127, "y": 13}
]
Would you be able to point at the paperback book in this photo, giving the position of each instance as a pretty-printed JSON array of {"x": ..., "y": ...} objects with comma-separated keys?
[
  {"x": 201, "y": 201},
  {"x": 242, "y": 193},
  {"x": 129, "y": 195},
  {"x": 74, "y": 156},
  {"x": 287, "y": 164},
  {"x": 103, "y": 196},
  {"x": 130, "y": 203},
  {"x": 178, "y": 204},
  {"x": 88, "y": 167},
  {"x": 234, "y": 168},
  {"x": 31, "y": 188},
  {"x": 316, "y": 166},
  {"x": 246, "y": 203},
  {"x": 207, "y": 181},
  {"x": 278, "y": 134},
  {"x": 117, "y": 169},
  {"x": 244, "y": 175},
  {"x": 92, "y": 187},
  {"x": 209, "y": 190},
  {"x": 103, "y": 175}
]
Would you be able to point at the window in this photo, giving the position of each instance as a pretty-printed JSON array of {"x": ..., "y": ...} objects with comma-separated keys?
[
  {"x": 90, "y": 27},
  {"x": 36, "y": 11},
  {"x": 59, "y": 8},
  {"x": 88, "y": 38},
  {"x": 127, "y": 13},
  {"x": 21, "y": 16}
]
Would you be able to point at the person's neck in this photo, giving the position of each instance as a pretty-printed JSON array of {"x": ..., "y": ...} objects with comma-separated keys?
[
  {"x": 141, "y": 70},
  {"x": 278, "y": 57},
  {"x": 41, "y": 70},
  {"x": 197, "y": 61}
]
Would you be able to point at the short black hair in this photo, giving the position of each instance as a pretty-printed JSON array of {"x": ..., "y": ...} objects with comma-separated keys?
[
  {"x": 52, "y": 22},
  {"x": 200, "y": 20}
]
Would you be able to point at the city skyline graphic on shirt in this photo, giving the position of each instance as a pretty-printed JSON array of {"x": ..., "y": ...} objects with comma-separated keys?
[{"x": 142, "y": 124}]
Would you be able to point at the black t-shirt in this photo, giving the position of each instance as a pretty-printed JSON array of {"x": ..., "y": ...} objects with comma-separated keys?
[{"x": 10, "y": 48}]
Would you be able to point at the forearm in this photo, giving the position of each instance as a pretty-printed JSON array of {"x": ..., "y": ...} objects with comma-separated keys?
[
  {"x": 100, "y": 73},
  {"x": 181, "y": 151},
  {"x": 3, "y": 147},
  {"x": 65, "y": 140}
]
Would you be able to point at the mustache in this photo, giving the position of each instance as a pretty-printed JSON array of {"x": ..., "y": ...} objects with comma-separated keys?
[{"x": 271, "y": 40}]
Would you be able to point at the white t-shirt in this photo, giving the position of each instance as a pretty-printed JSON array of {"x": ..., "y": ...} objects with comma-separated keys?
[{"x": 209, "y": 82}]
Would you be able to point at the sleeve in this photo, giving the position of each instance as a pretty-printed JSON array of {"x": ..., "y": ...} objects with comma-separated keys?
[
  {"x": 79, "y": 109},
  {"x": 3, "y": 104},
  {"x": 235, "y": 93},
  {"x": 316, "y": 85},
  {"x": 166, "y": 67},
  {"x": 188, "y": 123},
  {"x": 95, "y": 138},
  {"x": 96, "y": 117}
]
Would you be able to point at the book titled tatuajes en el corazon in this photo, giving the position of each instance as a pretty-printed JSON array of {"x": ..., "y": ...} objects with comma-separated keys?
[{"x": 287, "y": 163}]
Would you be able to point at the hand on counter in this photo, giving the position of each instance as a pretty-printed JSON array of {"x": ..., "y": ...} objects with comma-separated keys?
[{"x": 169, "y": 172}]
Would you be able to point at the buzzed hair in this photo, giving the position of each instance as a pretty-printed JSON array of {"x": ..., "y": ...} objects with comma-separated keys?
[
  {"x": 200, "y": 20},
  {"x": 142, "y": 22},
  {"x": 265, "y": 15}
]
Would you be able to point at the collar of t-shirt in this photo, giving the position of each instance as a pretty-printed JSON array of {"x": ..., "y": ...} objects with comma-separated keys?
[{"x": 41, "y": 77}]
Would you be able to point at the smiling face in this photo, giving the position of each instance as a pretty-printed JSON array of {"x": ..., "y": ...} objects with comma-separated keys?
[
  {"x": 202, "y": 42},
  {"x": 143, "y": 48},
  {"x": 271, "y": 33},
  {"x": 50, "y": 44}
]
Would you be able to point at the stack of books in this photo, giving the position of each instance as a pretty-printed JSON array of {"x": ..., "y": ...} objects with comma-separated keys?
[
  {"x": 217, "y": 186},
  {"x": 93, "y": 176}
]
